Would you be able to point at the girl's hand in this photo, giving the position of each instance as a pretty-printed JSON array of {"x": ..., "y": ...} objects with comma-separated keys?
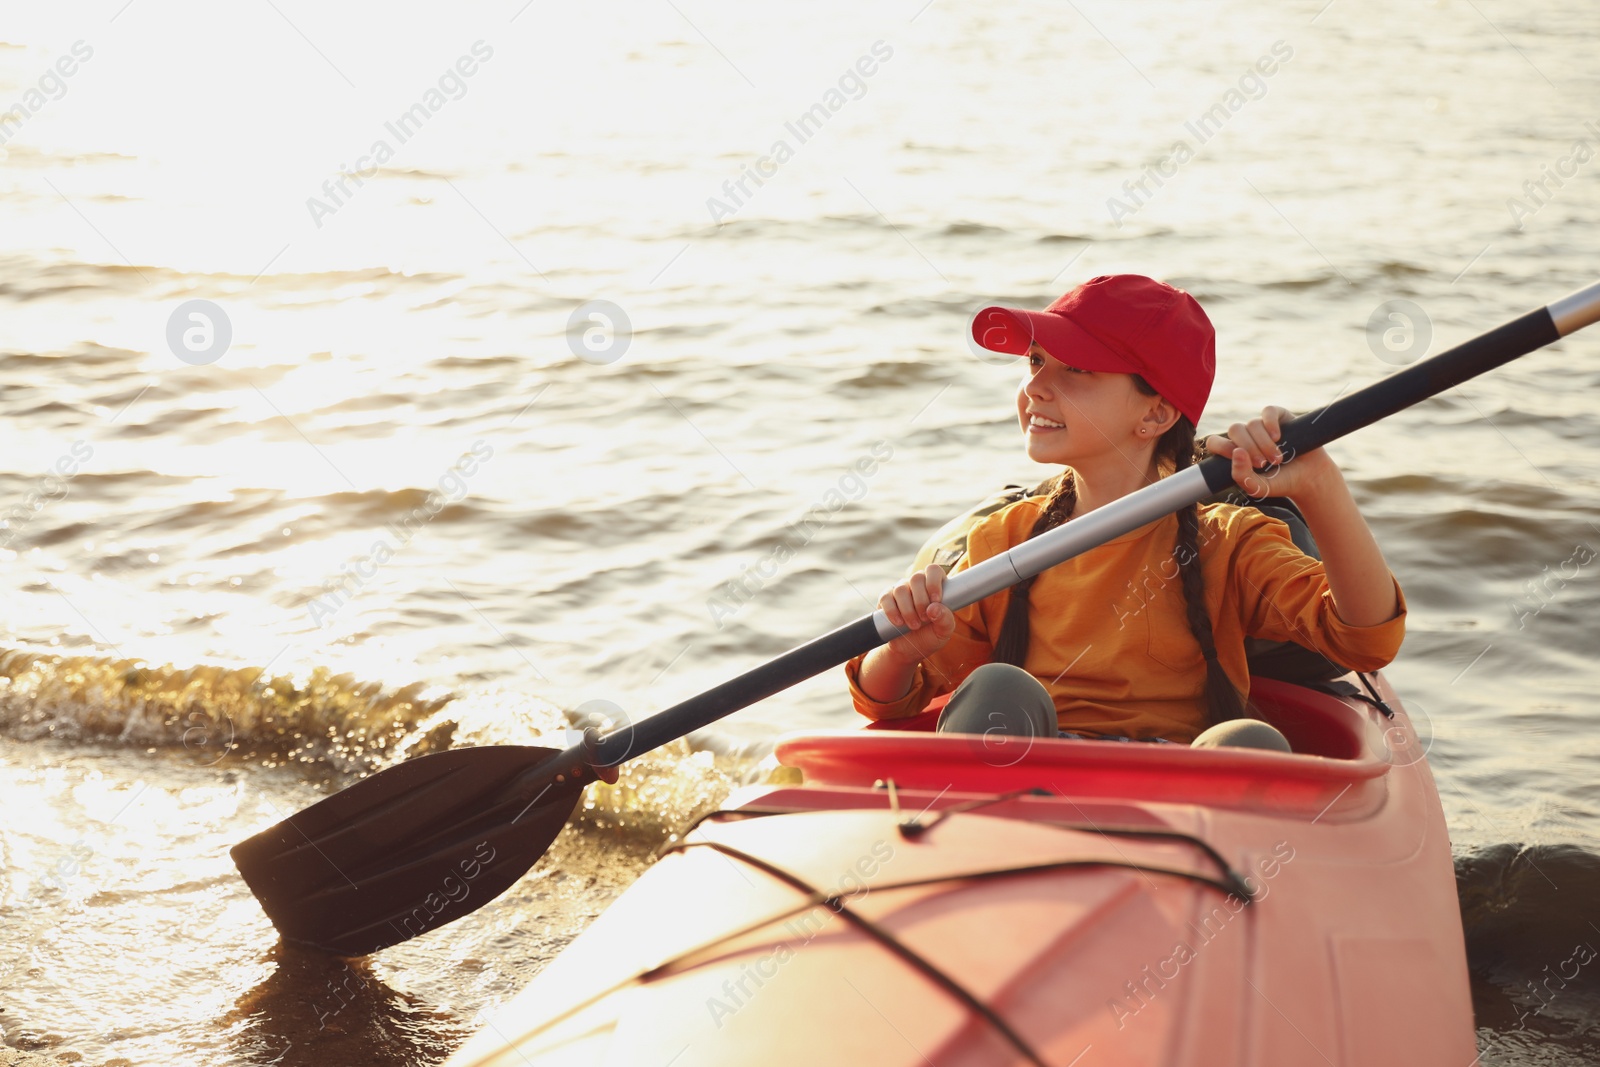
[
  {"x": 916, "y": 603},
  {"x": 1255, "y": 444}
]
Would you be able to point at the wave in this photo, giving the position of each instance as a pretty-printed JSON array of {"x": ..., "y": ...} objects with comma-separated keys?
[
  {"x": 967, "y": 228},
  {"x": 212, "y": 712},
  {"x": 1315, "y": 280},
  {"x": 26, "y": 278},
  {"x": 1395, "y": 268}
]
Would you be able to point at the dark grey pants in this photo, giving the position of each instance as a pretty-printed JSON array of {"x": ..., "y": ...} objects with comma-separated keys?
[{"x": 1001, "y": 698}]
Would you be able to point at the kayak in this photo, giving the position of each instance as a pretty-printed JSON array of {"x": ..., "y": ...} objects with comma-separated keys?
[{"x": 895, "y": 896}]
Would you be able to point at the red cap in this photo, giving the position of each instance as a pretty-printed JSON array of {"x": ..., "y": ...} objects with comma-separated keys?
[{"x": 1125, "y": 323}]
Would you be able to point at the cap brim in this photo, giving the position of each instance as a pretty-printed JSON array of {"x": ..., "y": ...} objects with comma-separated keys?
[{"x": 1013, "y": 330}]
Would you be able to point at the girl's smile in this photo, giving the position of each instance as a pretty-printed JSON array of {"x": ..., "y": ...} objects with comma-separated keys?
[
  {"x": 1039, "y": 424},
  {"x": 1070, "y": 414}
]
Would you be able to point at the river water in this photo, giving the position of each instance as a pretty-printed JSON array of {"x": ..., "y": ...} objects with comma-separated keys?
[{"x": 396, "y": 511}]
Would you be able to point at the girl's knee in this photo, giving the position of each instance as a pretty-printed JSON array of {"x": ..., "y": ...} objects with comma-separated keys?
[
  {"x": 1000, "y": 697},
  {"x": 1003, "y": 674},
  {"x": 1243, "y": 733}
]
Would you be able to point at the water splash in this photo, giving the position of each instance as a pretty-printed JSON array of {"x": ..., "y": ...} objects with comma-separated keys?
[{"x": 211, "y": 711}]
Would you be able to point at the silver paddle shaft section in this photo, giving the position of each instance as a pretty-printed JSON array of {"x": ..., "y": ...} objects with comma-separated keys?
[
  {"x": 1070, "y": 539},
  {"x": 1577, "y": 310}
]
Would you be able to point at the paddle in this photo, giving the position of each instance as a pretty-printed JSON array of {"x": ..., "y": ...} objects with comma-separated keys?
[{"x": 425, "y": 842}]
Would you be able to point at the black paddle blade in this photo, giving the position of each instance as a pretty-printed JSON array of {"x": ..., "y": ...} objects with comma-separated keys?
[{"x": 409, "y": 849}]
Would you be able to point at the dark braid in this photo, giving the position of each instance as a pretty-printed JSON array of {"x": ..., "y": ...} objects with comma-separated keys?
[
  {"x": 1174, "y": 451},
  {"x": 1012, "y": 645},
  {"x": 1223, "y": 701}
]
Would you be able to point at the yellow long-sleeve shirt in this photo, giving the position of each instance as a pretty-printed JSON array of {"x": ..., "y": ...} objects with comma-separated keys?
[{"x": 1109, "y": 635}]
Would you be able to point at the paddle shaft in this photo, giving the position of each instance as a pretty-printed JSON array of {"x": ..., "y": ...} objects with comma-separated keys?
[{"x": 1307, "y": 432}]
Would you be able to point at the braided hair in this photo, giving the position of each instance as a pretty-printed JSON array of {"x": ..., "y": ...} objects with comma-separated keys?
[{"x": 1174, "y": 451}]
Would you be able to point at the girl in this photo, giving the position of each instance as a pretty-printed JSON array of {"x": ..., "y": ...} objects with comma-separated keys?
[{"x": 1143, "y": 637}]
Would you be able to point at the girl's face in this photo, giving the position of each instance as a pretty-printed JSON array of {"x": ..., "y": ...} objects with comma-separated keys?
[{"x": 1071, "y": 415}]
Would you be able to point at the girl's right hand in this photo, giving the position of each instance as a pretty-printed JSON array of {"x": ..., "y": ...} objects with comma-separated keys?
[{"x": 916, "y": 603}]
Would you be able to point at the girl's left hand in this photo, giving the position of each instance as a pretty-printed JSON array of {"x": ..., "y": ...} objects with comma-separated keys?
[{"x": 1255, "y": 444}]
